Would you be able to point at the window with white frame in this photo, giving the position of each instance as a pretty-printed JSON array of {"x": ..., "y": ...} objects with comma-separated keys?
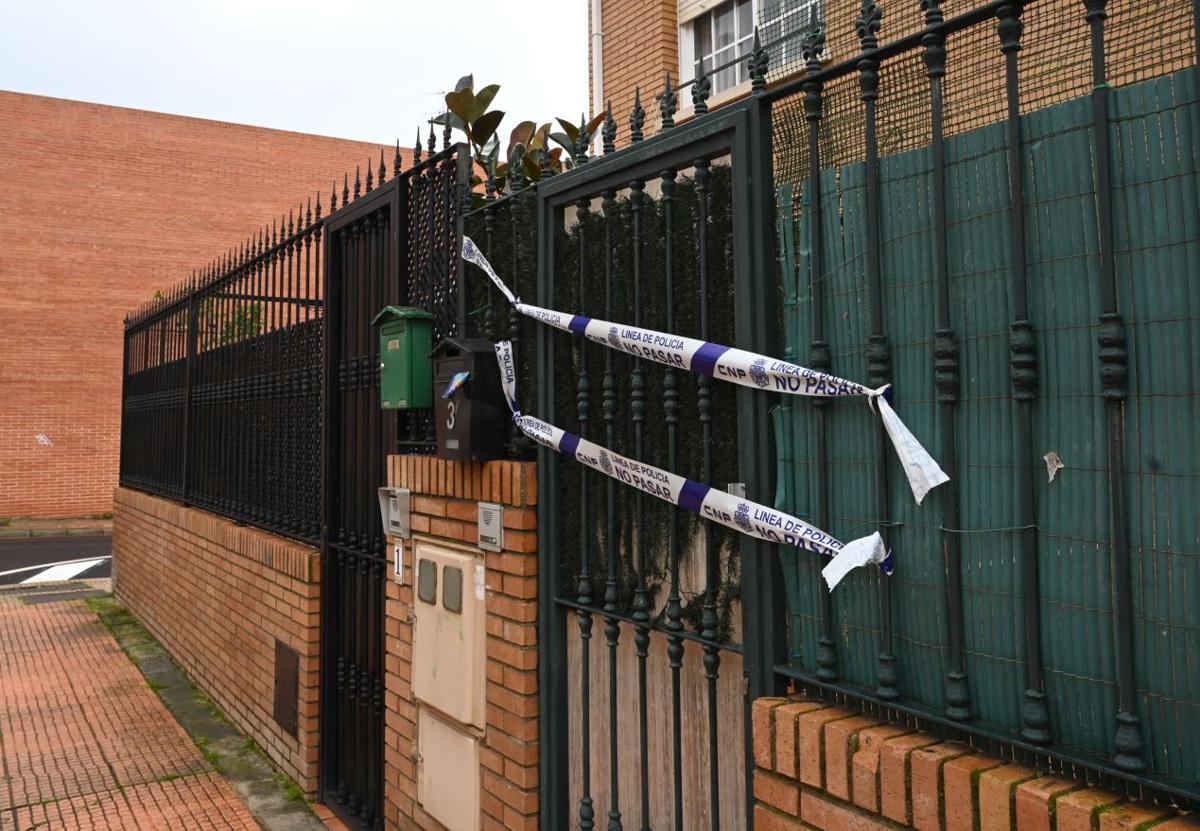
[
  {"x": 721, "y": 35},
  {"x": 725, "y": 34}
]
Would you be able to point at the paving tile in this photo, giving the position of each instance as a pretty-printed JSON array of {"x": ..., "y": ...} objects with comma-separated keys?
[
  {"x": 205, "y": 801},
  {"x": 85, "y": 744}
]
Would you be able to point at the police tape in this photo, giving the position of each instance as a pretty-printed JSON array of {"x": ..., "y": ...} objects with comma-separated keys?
[
  {"x": 734, "y": 365},
  {"x": 742, "y": 515}
]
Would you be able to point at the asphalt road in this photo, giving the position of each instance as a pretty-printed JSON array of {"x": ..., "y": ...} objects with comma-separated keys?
[{"x": 25, "y": 552}]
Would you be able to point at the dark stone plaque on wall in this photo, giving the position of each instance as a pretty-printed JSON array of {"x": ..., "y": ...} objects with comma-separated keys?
[{"x": 287, "y": 686}]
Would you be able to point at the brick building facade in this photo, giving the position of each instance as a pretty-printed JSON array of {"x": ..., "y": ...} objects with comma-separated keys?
[
  {"x": 100, "y": 207},
  {"x": 636, "y": 44}
]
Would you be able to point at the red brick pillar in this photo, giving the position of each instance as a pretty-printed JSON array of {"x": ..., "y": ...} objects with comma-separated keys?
[{"x": 445, "y": 497}]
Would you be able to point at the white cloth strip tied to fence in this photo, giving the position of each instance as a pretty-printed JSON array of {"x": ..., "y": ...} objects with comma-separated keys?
[
  {"x": 742, "y": 515},
  {"x": 735, "y": 365}
]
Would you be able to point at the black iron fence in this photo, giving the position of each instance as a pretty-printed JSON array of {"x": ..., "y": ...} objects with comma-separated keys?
[
  {"x": 222, "y": 384},
  {"x": 505, "y": 228},
  {"x": 222, "y": 396},
  {"x": 427, "y": 272}
]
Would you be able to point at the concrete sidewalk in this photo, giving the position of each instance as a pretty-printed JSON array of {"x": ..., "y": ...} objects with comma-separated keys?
[
  {"x": 73, "y": 527},
  {"x": 84, "y": 741}
]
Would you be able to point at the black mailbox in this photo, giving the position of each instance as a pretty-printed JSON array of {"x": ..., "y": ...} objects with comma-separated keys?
[{"x": 473, "y": 419}]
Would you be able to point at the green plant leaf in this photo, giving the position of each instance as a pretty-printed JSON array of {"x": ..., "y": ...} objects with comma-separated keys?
[
  {"x": 460, "y": 103},
  {"x": 483, "y": 99},
  {"x": 541, "y": 138},
  {"x": 570, "y": 129},
  {"x": 465, "y": 82},
  {"x": 501, "y": 172},
  {"x": 491, "y": 150},
  {"x": 533, "y": 171},
  {"x": 563, "y": 139},
  {"x": 455, "y": 121},
  {"x": 521, "y": 135},
  {"x": 590, "y": 129},
  {"x": 485, "y": 127}
]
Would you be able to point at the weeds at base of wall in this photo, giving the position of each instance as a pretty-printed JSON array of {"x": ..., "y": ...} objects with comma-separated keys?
[
  {"x": 210, "y": 755},
  {"x": 202, "y": 698},
  {"x": 291, "y": 791}
]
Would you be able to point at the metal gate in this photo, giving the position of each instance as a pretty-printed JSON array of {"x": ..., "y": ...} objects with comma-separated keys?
[
  {"x": 396, "y": 244},
  {"x": 652, "y": 637}
]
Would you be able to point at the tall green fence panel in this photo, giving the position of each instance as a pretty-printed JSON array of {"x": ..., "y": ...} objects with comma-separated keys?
[
  {"x": 1157, "y": 236},
  {"x": 977, "y": 206},
  {"x": 1154, "y": 126},
  {"x": 1069, "y": 420}
]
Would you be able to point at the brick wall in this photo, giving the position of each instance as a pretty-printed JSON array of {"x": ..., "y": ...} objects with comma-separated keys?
[
  {"x": 640, "y": 46},
  {"x": 829, "y": 768},
  {"x": 444, "y": 507},
  {"x": 217, "y": 596},
  {"x": 99, "y": 208}
]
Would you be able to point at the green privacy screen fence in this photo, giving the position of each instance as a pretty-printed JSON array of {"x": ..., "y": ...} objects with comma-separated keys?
[{"x": 1154, "y": 127}]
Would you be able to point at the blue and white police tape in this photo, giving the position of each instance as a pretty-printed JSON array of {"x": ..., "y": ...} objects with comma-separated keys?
[
  {"x": 740, "y": 514},
  {"x": 734, "y": 365}
]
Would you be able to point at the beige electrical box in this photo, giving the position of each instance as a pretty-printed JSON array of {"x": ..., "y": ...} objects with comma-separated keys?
[
  {"x": 447, "y": 772},
  {"x": 448, "y": 631}
]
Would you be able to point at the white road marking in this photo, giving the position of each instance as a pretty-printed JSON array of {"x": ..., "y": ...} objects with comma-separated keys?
[
  {"x": 47, "y": 565},
  {"x": 62, "y": 571}
]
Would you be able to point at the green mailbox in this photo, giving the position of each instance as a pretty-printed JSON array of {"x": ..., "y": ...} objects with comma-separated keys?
[{"x": 405, "y": 370}]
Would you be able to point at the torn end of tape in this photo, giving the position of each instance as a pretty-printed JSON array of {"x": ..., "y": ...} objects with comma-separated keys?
[
  {"x": 855, "y": 553},
  {"x": 1054, "y": 464},
  {"x": 923, "y": 472}
]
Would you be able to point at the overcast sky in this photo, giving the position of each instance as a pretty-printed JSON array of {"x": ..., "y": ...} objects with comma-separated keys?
[{"x": 361, "y": 69}]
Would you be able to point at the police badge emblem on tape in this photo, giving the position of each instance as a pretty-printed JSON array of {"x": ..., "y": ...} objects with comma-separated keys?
[
  {"x": 736, "y": 366},
  {"x": 742, "y": 515}
]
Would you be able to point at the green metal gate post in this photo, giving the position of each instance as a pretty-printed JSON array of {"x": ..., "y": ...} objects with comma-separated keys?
[
  {"x": 554, "y": 792},
  {"x": 763, "y": 619}
]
